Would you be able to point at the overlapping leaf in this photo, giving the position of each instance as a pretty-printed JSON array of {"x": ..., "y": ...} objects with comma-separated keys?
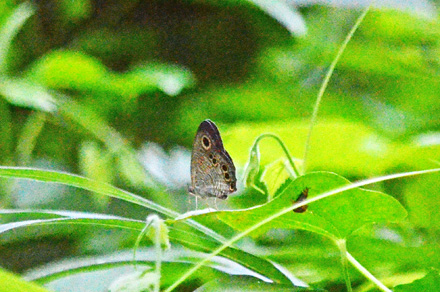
[{"x": 335, "y": 217}]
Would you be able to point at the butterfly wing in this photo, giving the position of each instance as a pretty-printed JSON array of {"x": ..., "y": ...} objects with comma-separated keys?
[{"x": 212, "y": 169}]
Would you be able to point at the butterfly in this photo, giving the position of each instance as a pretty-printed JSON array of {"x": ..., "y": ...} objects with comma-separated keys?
[{"x": 212, "y": 168}]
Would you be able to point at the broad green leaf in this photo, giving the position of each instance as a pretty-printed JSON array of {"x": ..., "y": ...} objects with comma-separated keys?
[
  {"x": 12, "y": 283},
  {"x": 337, "y": 145},
  {"x": 422, "y": 199},
  {"x": 335, "y": 217},
  {"x": 431, "y": 282}
]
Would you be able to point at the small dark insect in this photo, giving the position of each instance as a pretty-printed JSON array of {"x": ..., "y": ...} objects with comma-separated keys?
[{"x": 302, "y": 197}]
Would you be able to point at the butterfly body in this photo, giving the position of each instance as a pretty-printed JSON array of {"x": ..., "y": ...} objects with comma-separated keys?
[{"x": 212, "y": 169}]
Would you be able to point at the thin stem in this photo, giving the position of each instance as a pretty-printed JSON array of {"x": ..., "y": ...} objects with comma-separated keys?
[
  {"x": 286, "y": 151},
  {"x": 366, "y": 273},
  {"x": 138, "y": 241},
  {"x": 325, "y": 83},
  {"x": 157, "y": 244},
  {"x": 343, "y": 249},
  {"x": 28, "y": 137}
]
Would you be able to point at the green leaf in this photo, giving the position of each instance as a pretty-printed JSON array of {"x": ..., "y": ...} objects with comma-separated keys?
[
  {"x": 23, "y": 93},
  {"x": 335, "y": 217},
  {"x": 350, "y": 147},
  {"x": 274, "y": 176},
  {"x": 126, "y": 159},
  {"x": 257, "y": 264},
  {"x": 422, "y": 199},
  {"x": 97, "y": 164},
  {"x": 12, "y": 283},
  {"x": 7, "y": 143},
  {"x": 199, "y": 241},
  {"x": 95, "y": 273},
  {"x": 79, "y": 71},
  {"x": 252, "y": 167},
  {"x": 70, "y": 70},
  {"x": 192, "y": 239},
  {"x": 431, "y": 282},
  {"x": 83, "y": 183},
  {"x": 245, "y": 284},
  {"x": 10, "y": 30},
  {"x": 170, "y": 79},
  {"x": 285, "y": 14}
]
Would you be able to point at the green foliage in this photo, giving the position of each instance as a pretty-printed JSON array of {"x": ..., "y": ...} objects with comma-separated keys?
[
  {"x": 336, "y": 217},
  {"x": 430, "y": 282},
  {"x": 13, "y": 283},
  {"x": 84, "y": 85}
]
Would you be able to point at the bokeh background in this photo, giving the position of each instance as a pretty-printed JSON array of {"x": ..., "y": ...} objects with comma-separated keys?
[{"x": 115, "y": 90}]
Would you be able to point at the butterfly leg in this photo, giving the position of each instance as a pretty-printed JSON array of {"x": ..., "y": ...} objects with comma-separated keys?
[{"x": 207, "y": 204}]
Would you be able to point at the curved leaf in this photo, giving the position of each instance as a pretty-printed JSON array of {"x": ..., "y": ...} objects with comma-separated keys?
[
  {"x": 335, "y": 217},
  {"x": 192, "y": 239},
  {"x": 431, "y": 282}
]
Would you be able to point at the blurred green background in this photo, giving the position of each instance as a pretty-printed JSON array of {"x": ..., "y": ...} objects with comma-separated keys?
[{"x": 95, "y": 87}]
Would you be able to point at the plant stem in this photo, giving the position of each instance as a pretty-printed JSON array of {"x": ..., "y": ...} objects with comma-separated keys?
[
  {"x": 286, "y": 151},
  {"x": 158, "y": 248},
  {"x": 325, "y": 83},
  {"x": 341, "y": 243},
  {"x": 366, "y": 273},
  {"x": 28, "y": 137}
]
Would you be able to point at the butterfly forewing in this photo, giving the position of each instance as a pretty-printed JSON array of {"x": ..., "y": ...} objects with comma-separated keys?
[{"x": 212, "y": 169}]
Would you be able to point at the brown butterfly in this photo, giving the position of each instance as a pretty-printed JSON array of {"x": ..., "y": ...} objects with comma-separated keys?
[{"x": 212, "y": 169}]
